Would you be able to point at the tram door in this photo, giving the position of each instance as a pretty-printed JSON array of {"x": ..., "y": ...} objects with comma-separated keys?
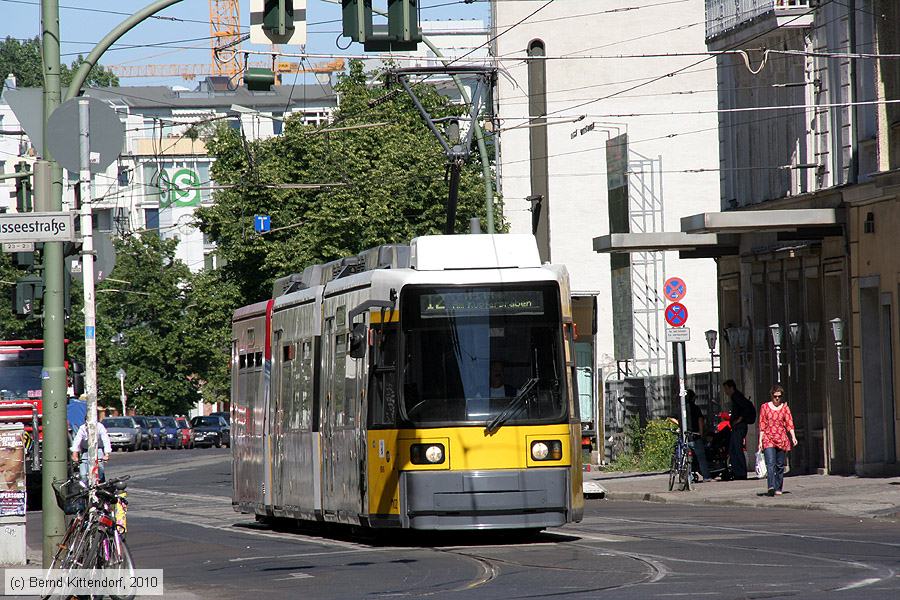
[{"x": 327, "y": 421}]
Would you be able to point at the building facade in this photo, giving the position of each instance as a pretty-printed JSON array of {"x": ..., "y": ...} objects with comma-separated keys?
[
  {"x": 595, "y": 137},
  {"x": 163, "y": 173},
  {"x": 809, "y": 133}
]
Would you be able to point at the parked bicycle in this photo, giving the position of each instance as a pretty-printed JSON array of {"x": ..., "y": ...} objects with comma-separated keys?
[
  {"x": 680, "y": 468},
  {"x": 95, "y": 537}
]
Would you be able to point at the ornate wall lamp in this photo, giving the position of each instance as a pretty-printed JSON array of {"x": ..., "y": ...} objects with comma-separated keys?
[
  {"x": 775, "y": 330},
  {"x": 795, "y": 330},
  {"x": 837, "y": 330},
  {"x": 812, "y": 334}
]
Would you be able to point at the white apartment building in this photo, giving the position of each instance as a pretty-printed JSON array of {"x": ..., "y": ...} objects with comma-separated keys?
[
  {"x": 574, "y": 82},
  {"x": 163, "y": 174}
]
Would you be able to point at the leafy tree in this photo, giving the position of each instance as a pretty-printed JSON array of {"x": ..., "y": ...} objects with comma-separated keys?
[
  {"x": 387, "y": 185},
  {"x": 144, "y": 325},
  {"x": 13, "y": 327},
  {"x": 23, "y": 59}
]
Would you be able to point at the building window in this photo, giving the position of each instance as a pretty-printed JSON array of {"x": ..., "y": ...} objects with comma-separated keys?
[
  {"x": 104, "y": 219},
  {"x": 151, "y": 219}
]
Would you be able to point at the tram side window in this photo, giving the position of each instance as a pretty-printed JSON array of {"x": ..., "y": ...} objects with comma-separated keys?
[
  {"x": 383, "y": 411},
  {"x": 287, "y": 380},
  {"x": 350, "y": 389},
  {"x": 338, "y": 385},
  {"x": 305, "y": 385},
  {"x": 242, "y": 361}
]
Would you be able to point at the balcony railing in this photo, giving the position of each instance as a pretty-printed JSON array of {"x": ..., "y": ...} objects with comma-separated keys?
[{"x": 725, "y": 15}]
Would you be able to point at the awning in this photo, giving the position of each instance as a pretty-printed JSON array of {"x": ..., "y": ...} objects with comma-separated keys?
[
  {"x": 749, "y": 221},
  {"x": 689, "y": 245}
]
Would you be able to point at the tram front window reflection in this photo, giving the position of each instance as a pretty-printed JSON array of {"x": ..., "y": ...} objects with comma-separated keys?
[{"x": 469, "y": 352}]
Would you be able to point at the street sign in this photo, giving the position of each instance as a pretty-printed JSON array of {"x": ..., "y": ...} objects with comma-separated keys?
[
  {"x": 674, "y": 289},
  {"x": 37, "y": 227},
  {"x": 678, "y": 334},
  {"x": 676, "y": 314},
  {"x": 107, "y": 135},
  {"x": 104, "y": 262},
  {"x": 18, "y": 246},
  {"x": 262, "y": 223}
]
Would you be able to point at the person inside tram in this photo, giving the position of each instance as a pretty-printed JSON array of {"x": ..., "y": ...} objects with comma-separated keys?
[{"x": 499, "y": 388}]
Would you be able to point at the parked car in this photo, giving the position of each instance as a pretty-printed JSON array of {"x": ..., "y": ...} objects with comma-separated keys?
[
  {"x": 187, "y": 434},
  {"x": 211, "y": 431},
  {"x": 224, "y": 414},
  {"x": 149, "y": 432},
  {"x": 169, "y": 433},
  {"x": 124, "y": 433}
]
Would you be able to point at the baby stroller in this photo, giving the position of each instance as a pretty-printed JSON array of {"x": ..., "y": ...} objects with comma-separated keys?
[{"x": 717, "y": 449}]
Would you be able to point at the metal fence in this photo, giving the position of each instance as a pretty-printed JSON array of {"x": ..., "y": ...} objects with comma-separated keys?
[{"x": 722, "y": 15}]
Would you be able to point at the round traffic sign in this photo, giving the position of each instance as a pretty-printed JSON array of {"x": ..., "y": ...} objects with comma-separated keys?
[
  {"x": 676, "y": 314},
  {"x": 674, "y": 289}
]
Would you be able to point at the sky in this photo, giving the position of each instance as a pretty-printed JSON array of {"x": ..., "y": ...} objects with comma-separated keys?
[{"x": 158, "y": 41}]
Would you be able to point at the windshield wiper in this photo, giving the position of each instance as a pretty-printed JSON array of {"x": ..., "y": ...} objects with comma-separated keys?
[{"x": 514, "y": 407}]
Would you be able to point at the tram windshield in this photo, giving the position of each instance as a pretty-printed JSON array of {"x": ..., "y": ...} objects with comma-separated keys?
[{"x": 473, "y": 353}]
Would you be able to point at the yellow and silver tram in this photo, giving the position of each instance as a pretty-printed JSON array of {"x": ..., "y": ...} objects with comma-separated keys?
[{"x": 429, "y": 386}]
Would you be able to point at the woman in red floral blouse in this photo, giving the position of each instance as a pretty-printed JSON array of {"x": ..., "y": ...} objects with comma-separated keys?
[{"x": 776, "y": 425}]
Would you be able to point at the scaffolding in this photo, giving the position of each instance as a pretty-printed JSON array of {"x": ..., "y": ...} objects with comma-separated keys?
[{"x": 645, "y": 212}]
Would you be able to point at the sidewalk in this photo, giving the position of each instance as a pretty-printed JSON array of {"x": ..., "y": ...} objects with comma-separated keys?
[{"x": 846, "y": 495}]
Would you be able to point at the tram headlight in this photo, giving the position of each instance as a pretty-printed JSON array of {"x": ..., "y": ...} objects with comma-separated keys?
[
  {"x": 546, "y": 450},
  {"x": 426, "y": 454}
]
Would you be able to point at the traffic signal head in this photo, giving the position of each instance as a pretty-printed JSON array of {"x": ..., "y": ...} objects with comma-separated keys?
[
  {"x": 278, "y": 22},
  {"x": 401, "y": 33},
  {"x": 259, "y": 79},
  {"x": 29, "y": 293}
]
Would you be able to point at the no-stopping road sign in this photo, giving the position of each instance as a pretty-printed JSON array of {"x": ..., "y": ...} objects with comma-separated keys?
[
  {"x": 674, "y": 289},
  {"x": 676, "y": 314}
]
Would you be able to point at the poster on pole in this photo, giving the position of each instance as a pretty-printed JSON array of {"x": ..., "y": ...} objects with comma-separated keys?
[{"x": 12, "y": 471}]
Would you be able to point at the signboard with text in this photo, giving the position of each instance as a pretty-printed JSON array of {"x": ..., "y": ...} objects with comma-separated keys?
[{"x": 37, "y": 227}]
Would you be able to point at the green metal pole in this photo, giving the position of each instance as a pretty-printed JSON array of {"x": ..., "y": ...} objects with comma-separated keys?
[
  {"x": 111, "y": 38},
  {"x": 49, "y": 198}
]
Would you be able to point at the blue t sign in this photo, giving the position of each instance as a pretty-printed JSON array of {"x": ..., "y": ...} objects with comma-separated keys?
[{"x": 262, "y": 223}]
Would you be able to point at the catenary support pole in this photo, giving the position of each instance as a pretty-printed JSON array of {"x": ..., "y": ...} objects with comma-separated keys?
[{"x": 53, "y": 375}]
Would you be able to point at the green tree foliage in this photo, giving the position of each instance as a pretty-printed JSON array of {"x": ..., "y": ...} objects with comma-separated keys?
[
  {"x": 145, "y": 325},
  {"x": 391, "y": 188},
  {"x": 23, "y": 59},
  {"x": 11, "y": 326}
]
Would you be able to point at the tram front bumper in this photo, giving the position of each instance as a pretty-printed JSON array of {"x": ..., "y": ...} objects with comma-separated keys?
[{"x": 497, "y": 499}]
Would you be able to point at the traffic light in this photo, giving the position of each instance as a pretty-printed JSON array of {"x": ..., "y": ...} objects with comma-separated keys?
[
  {"x": 259, "y": 79},
  {"x": 278, "y": 22},
  {"x": 401, "y": 32},
  {"x": 23, "y": 188},
  {"x": 29, "y": 292}
]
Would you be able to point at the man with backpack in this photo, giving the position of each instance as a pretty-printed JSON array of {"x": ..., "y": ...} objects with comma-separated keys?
[{"x": 743, "y": 413}]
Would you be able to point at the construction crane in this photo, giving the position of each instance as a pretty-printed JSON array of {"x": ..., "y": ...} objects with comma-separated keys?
[{"x": 225, "y": 53}]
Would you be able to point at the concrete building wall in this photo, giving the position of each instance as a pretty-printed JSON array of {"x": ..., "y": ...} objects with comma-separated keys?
[{"x": 685, "y": 140}]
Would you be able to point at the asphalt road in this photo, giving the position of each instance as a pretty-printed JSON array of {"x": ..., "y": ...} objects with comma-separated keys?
[{"x": 181, "y": 520}]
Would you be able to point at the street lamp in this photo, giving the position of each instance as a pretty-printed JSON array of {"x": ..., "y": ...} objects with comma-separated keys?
[
  {"x": 837, "y": 330},
  {"x": 775, "y": 330},
  {"x": 795, "y": 330},
  {"x": 812, "y": 334},
  {"x": 711, "y": 336},
  {"x": 121, "y": 375}
]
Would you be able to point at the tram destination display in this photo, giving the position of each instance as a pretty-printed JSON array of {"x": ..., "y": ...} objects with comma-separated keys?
[{"x": 477, "y": 303}]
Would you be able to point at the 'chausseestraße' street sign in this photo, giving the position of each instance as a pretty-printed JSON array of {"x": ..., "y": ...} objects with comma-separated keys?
[{"x": 37, "y": 227}]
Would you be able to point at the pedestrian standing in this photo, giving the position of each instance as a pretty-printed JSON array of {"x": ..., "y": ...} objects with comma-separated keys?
[
  {"x": 697, "y": 437},
  {"x": 776, "y": 437},
  {"x": 743, "y": 413}
]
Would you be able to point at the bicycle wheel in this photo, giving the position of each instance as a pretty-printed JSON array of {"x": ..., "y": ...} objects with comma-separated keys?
[
  {"x": 684, "y": 470},
  {"x": 673, "y": 469},
  {"x": 120, "y": 561}
]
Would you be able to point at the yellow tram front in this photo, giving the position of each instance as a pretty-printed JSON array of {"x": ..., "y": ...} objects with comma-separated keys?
[{"x": 472, "y": 412}]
